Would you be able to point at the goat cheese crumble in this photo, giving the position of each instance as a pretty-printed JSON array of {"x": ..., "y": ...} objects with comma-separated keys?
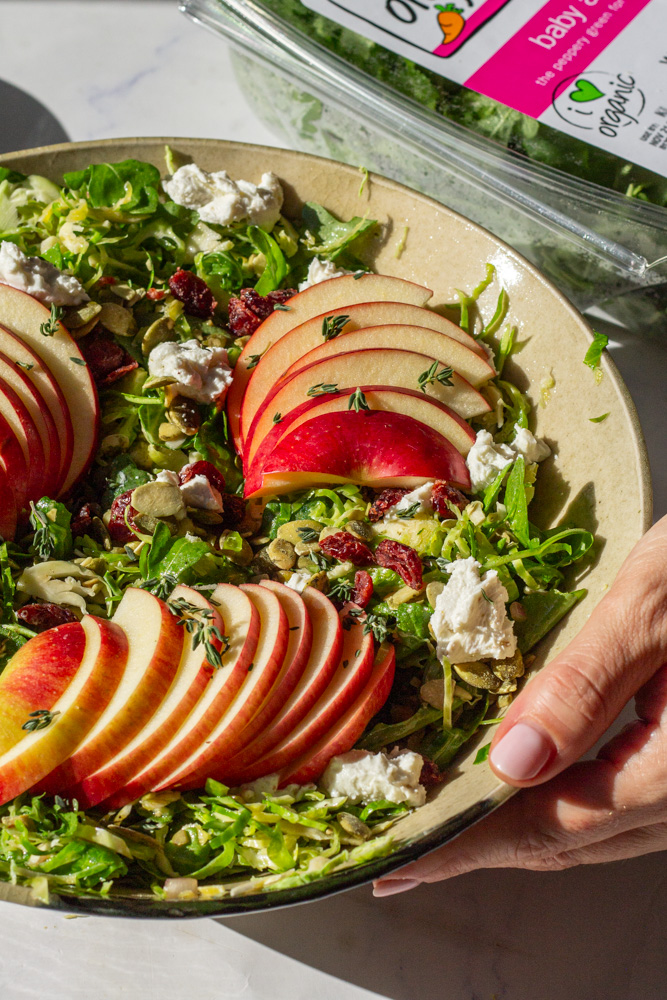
[
  {"x": 221, "y": 200},
  {"x": 298, "y": 581},
  {"x": 39, "y": 278},
  {"x": 421, "y": 495},
  {"x": 486, "y": 458},
  {"x": 361, "y": 776},
  {"x": 197, "y": 492},
  {"x": 470, "y": 618},
  {"x": 321, "y": 270},
  {"x": 201, "y": 373}
]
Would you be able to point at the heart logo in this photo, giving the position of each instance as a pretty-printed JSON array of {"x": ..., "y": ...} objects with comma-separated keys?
[{"x": 585, "y": 91}]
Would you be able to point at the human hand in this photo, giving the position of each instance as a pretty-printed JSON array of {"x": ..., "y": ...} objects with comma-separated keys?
[{"x": 571, "y": 813}]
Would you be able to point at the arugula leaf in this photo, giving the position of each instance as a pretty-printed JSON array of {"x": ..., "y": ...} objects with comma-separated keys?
[
  {"x": 276, "y": 268},
  {"x": 544, "y": 609},
  {"x": 181, "y": 558},
  {"x": 152, "y": 554},
  {"x": 444, "y": 745},
  {"x": 388, "y": 733},
  {"x": 212, "y": 443},
  {"x": 516, "y": 503},
  {"x": 130, "y": 186},
  {"x": 482, "y": 754},
  {"x": 331, "y": 235},
  {"x": 51, "y": 522},
  {"x": 413, "y": 619},
  {"x": 594, "y": 352},
  {"x": 119, "y": 476},
  {"x": 221, "y": 271}
]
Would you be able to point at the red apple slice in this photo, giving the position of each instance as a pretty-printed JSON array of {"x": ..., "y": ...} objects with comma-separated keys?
[
  {"x": 8, "y": 517},
  {"x": 413, "y": 404},
  {"x": 13, "y": 461},
  {"x": 23, "y": 315},
  {"x": 321, "y": 298},
  {"x": 44, "y": 383},
  {"x": 325, "y": 656},
  {"x": 385, "y": 366},
  {"x": 17, "y": 416},
  {"x": 18, "y": 380},
  {"x": 344, "y": 734},
  {"x": 194, "y": 673},
  {"x": 348, "y": 680},
  {"x": 71, "y": 671},
  {"x": 239, "y": 723},
  {"x": 155, "y": 644},
  {"x": 307, "y": 336},
  {"x": 242, "y": 624},
  {"x": 372, "y": 448}
]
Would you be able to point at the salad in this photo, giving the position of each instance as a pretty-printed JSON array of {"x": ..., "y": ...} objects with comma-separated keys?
[{"x": 284, "y": 568}]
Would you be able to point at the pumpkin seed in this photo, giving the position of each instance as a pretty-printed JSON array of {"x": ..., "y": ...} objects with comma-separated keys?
[
  {"x": 402, "y": 596},
  {"x": 352, "y": 824},
  {"x": 360, "y": 529},
  {"x": 117, "y": 320},
  {"x": 281, "y": 553},
  {"x": 478, "y": 675},
  {"x": 113, "y": 444},
  {"x": 241, "y": 557},
  {"x": 320, "y": 582},
  {"x": 127, "y": 293},
  {"x": 184, "y": 414},
  {"x": 504, "y": 701},
  {"x": 433, "y": 692},
  {"x": 509, "y": 669},
  {"x": 294, "y": 531},
  {"x": 157, "y": 333},
  {"x": 82, "y": 315},
  {"x": 302, "y": 549},
  {"x": 158, "y": 499},
  {"x": 170, "y": 434},
  {"x": 433, "y": 589}
]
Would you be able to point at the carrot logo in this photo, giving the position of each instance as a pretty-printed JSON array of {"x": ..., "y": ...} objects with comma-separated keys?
[{"x": 451, "y": 21}]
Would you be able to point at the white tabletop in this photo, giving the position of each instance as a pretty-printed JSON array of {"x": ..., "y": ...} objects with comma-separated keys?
[{"x": 104, "y": 68}]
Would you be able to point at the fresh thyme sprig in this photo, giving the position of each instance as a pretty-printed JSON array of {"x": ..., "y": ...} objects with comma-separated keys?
[
  {"x": 307, "y": 535},
  {"x": 197, "y": 621},
  {"x": 409, "y": 511},
  {"x": 340, "y": 590},
  {"x": 161, "y": 586},
  {"x": 41, "y": 718},
  {"x": 43, "y": 540},
  {"x": 322, "y": 389},
  {"x": 50, "y": 326},
  {"x": 332, "y": 326},
  {"x": 432, "y": 375},
  {"x": 358, "y": 401}
]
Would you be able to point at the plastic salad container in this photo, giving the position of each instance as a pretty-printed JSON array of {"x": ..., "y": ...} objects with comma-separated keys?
[{"x": 328, "y": 90}]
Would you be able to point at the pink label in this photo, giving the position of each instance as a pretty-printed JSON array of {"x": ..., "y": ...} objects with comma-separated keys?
[
  {"x": 557, "y": 44},
  {"x": 459, "y": 28}
]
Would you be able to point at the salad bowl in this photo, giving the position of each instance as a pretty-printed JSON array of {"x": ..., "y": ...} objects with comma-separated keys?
[{"x": 597, "y": 477}]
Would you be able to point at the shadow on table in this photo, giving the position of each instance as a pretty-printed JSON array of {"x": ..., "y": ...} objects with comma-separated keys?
[{"x": 25, "y": 122}]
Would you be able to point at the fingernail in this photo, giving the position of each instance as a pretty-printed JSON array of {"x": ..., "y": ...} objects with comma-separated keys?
[
  {"x": 389, "y": 887},
  {"x": 522, "y": 752}
]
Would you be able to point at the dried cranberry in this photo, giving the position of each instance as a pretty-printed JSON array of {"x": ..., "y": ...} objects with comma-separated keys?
[
  {"x": 444, "y": 494},
  {"x": 402, "y": 559},
  {"x": 194, "y": 293},
  {"x": 363, "y": 588},
  {"x": 40, "y": 617},
  {"x": 233, "y": 510},
  {"x": 248, "y": 310},
  {"x": 430, "y": 774},
  {"x": 347, "y": 548},
  {"x": 205, "y": 469},
  {"x": 83, "y": 519},
  {"x": 388, "y": 498},
  {"x": 155, "y": 294},
  {"x": 107, "y": 279},
  {"x": 106, "y": 359},
  {"x": 118, "y": 526}
]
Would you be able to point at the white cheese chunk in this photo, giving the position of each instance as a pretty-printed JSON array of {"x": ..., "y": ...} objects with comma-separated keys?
[
  {"x": 470, "y": 618},
  {"x": 167, "y": 476},
  {"x": 367, "y": 777},
  {"x": 421, "y": 496},
  {"x": 198, "y": 492},
  {"x": 221, "y": 200},
  {"x": 298, "y": 581},
  {"x": 533, "y": 449},
  {"x": 486, "y": 458},
  {"x": 321, "y": 270},
  {"x": 39, "y": 278},
  {"x": 202, "y": 373}
]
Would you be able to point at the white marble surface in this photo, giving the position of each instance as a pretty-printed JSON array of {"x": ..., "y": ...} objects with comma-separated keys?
[{"x": 105, "y": 69}]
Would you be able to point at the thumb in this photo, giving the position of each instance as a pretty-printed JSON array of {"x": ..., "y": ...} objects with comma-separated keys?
[{"x": 565, "y": 709}]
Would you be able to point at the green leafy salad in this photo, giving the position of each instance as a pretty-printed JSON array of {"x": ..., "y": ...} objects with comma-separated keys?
[{"x": 112, "y": 228}]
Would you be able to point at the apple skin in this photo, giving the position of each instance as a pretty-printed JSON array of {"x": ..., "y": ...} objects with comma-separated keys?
[
  {"x": 349, "y": 678},
  {"x": 194, "y": 674},
  {"x": 18, "y": 417},
  {"x": 8, "y": 516},
  {"x": 325, "y": 655},
  {"x": 283, "y": 354},
  {"x": 44, "y": 383},
  {"x": 257, "y": 701},
  {"x": 73, "y": 669},
  {"x": 344, "y": 734},
  {"x": 155, "y": 642},
  {"x": 414, "y": 404},
  {"x": 374, "y": 448},
  {"x": 23, "y": 315},
  {"x": 14, "y": 465},
  {"x": 313, "y": 301},
  {"x": 15, "y": 378},
  {"x": 242, "y": 625},
  {"x": 383, "y": 366}
]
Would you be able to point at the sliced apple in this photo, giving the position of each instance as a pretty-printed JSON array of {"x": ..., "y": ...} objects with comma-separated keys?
[
  {"x": 386, "y": 366},
  {"x": 346, "y": 731},
  {"x": 240, "y": 723},
  {"x": 372, "y": 448},
  {"x": 23, "y": 315},
  {"x": 8, "y": 516},
  {"x": 71, "y": 671},
  {"x": 194, "y": 673},
  {"x": 321, "y": 298},
  {"x": 13, "y": 461},
  {"x": 155, "y": 643},
  {"x": 17, "y": 379},
  {"x": 348, "y": 680},
  {"x": 283, "y": 354},
  {"x": 242, "y": 624},
  {"x": 325, "y": 656},
  {"x": 44, "y": 383},
  {"x": 18, "y": 417},
  {"x": 413, "y": 404}
]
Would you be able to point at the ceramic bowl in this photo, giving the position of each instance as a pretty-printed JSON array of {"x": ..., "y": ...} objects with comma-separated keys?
[{"x": 423, "y": 241}]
